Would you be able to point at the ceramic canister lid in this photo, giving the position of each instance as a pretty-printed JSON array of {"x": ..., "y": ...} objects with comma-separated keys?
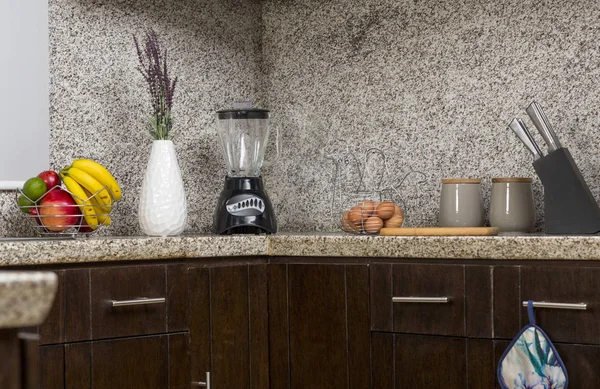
[
  {"x": 461, "y": 181},
  {"x": 511, "y": 179}
]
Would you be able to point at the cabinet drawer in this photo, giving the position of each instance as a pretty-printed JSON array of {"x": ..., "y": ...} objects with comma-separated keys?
[
  {"x": 83, "y": 309},
  {"x": 564, "y": 285},
  {"x": 422, "y": 299},
  {"x": 128, "y": 301}
]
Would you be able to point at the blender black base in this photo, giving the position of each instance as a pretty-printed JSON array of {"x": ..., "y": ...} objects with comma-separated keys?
[{"x": 244, "y": 208}]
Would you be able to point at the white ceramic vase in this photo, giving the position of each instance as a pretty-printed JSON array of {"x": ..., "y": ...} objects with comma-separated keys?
[{"x": 163, "y": 207}]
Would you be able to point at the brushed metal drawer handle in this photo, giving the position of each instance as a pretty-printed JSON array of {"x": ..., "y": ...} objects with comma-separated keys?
[
  {"x": 545, "y": 304},
  {"x": 434, "y": 300},
  {"x": 140, "y": 301},
  {"x": 205, "y": 384}
]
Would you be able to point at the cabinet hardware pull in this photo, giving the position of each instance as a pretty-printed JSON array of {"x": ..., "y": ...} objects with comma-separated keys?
[
  {"x": 435, "y": 300},
  {"x": 205, "y": 384},
  {"x": 544, "y": 304},
  {"x": 140, "y": 301}
]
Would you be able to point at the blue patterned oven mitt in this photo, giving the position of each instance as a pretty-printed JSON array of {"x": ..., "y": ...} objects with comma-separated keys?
[{"x": 531, "y": 361}]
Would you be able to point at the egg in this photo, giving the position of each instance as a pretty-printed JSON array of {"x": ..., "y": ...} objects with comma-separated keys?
[
  {"x": 356, "y": 215},
  {"x": 385, "y": 210},
  {"x": 394, "y": 222},
  {"x": 398, "y": 211},
  {"x": 368, "y": 208},
  {"x": 373, "y": 225},
  {"x": 347, "y": 225}
]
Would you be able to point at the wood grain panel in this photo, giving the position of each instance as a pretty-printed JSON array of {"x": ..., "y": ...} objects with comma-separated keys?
[
  {"x": 78, "y": 366},
  {"x": 507, "y": 298},
  {"x": 479, "y": 301},
  {"x": 77, "y": 305},
  {"x": 429, "y": 281},
  {"x": 381, "y": 297},
  {"x": 430, "y": 362},
  {"x": 481, "y": 364},
  {"x": 30, "y": 360},
  {"x": 318, "y": 338},
  {"x": 357, "y": 302},
  {"x": 382, "y": 364},
  {"x": 52, "y": 370},
  {"x": 176, "y": 298},
  {"x": 10, "y": 367},
  {"x": 279, "y": 371},
  {"x": 130, "y": 363},
  {"x": 569, "y": 285},
  {"x": 582, "y": 364},
  {"x": 259, "y": 330},
  {"x": 229, "y": 329},
  {"x": 53, "y": 330},
  {"x": 179, "y": 361},
  {"x": 199, "y": 322},
  {"x": 127, "y": 283}
]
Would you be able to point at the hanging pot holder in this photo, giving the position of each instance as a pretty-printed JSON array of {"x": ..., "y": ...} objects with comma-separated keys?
[{"x": 531, "y": 361}]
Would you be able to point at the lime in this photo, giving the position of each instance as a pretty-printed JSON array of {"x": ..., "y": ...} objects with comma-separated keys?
[
  {"x": 25, "y": 204},
  {"x": 34, "y": 188}
]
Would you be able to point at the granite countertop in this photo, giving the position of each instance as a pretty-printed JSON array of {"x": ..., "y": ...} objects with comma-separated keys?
[
  {"x": 25, "y": 297},
  {"x": 99, "y": 249}
]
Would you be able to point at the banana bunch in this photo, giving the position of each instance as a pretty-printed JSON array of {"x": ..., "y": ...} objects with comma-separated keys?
[{"x": 94, "y": 190}]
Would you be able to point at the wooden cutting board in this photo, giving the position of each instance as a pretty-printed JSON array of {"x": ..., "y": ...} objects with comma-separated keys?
[{"x": 440, "y": 231}]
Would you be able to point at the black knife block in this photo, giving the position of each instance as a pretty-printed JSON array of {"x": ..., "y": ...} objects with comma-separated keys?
[{"x": 569, "y": 205}]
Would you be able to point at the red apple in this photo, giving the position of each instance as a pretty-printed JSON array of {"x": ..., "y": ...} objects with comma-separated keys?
[
  {"x": 58, "y": 211},
  {"x": 51, "y": 178},
  {"x": 84, "y": 227},
  {"x": 34, "y": 213}
]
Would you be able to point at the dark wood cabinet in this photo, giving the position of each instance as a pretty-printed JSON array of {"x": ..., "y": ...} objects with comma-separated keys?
[
  {"x": 319, "y": 321},
  {"x": 425, "y": 361},
  {"x": 297, "y": 323},
  {"x": 228, "y": 326},
  {"x": 150, "y": 362}
]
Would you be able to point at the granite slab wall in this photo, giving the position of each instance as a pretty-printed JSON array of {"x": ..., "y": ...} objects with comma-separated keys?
[
  {"x": 99, "y": 104},
  {"x": 374, "y": 99},
  {"x": 367, "y": 93}
]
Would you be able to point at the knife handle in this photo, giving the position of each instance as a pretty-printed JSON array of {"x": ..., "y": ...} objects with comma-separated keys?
[
  {"x": 519, "y": 128},
  {"x": 541, "y": 122}
]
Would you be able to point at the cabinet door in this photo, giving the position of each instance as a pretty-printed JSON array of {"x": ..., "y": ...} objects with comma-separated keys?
[
  {"x": 228, "y": 326},
  {"x": 419, "y": 361},
  {"x": 150, "y": 362},
  {"x": 319, "y": 326}
]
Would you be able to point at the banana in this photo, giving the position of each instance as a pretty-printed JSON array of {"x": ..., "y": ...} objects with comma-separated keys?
[
  {"x": 81, "y": 198},
  {"x": 100, "y": 173},
  {"x": 101, "y": 211},
  {"x": 89, "y": 183}
]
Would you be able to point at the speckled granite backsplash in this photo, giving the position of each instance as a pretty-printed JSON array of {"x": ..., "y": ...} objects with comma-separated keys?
[
  {"x": 378, "y": 98},
  {"x": 430, "y": 83},
  {"x": 100, "y": 105}
]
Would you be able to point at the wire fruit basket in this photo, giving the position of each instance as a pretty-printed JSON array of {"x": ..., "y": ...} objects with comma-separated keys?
[
  {"x": 60, "y": 212},
  {"x": 369, "y": 217}
]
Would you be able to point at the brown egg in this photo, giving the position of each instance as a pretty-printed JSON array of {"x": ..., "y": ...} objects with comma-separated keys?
[
  {"x": 373, "y": 225},
  {"x": 385, "y": 210},
  {"x": 368, "y": 207},
  {"x": 347, "y": 225},
  {"x": 394, "y": 222},
  {"x": 356, "y": 215},
  {"x": 398, "y": 211}
]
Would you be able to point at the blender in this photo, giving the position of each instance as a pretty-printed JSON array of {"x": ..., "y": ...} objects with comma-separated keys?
[{"x": 243, "y": 206}]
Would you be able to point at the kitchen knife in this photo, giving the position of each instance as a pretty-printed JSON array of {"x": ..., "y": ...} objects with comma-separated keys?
[
  {"x": 524, "y": 135},
  {"x": 539, "y": 119}
]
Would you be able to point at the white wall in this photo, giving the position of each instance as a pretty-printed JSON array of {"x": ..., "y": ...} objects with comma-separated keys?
[{"x": 24, "y": 96}]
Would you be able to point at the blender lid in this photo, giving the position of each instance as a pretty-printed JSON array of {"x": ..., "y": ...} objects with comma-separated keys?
[{"x": 251, "y": 113}]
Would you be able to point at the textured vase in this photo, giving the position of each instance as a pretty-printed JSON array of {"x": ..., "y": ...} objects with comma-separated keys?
[{"x": 163, "y": 207}]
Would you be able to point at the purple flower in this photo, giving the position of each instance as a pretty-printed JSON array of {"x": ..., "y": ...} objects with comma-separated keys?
[{"x": 153, "y": 67}]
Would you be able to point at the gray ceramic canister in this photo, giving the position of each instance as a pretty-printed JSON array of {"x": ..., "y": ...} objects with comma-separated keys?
[
  {"x": 461, "y": 203},
  {"x": 512, "y": 208}
]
